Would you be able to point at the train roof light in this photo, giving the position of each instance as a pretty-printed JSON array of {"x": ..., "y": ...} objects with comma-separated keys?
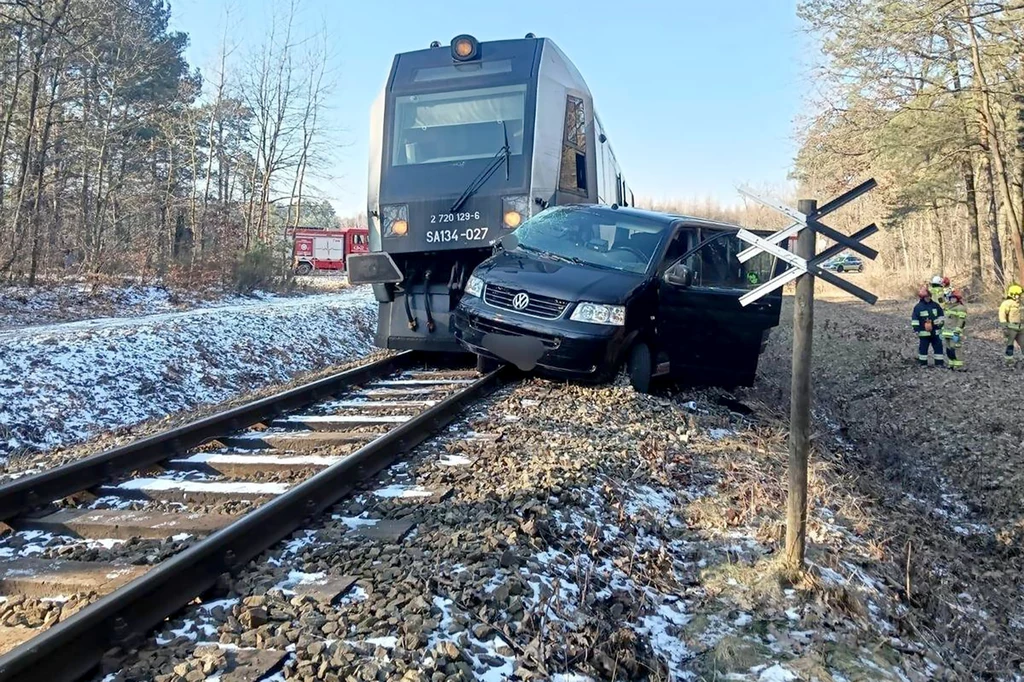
[
  {"x": 435, "y": 44},
  {"x": 465, "y": 48}
]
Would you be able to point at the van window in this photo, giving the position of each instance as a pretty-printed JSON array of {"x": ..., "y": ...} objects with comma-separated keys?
[
  {"x": 684, "y": 240},
  {"x": 715, "y": 265}
]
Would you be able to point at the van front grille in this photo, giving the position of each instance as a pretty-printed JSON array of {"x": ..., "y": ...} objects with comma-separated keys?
[
  {"x": 544, "y": 307},
  {"x": 494, "y": 327}
]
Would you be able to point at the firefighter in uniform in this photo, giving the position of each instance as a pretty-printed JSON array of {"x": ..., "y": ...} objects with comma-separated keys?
[
  {"x": 953, "y": 329},
  {"x": 927, "y": 321},
  {"x": 937, "y": 289},
  {"x": 1009, "y": 320}
]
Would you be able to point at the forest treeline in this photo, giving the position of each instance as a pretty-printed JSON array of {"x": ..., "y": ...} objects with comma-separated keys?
[
  {"x": 927, "y": 97},
  {"x": 118, "y": 156}
]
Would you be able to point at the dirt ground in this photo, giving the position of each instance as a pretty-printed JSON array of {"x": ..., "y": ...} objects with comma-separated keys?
[{"x": 937, "y": 458}]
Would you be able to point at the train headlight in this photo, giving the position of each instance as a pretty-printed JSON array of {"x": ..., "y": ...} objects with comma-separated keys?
[
  {"x": 514, "y": 210},
  {"x": 474, "y": 286},
  {"x": 395, "y": 220},
  {"x": 464, "y": 48},
  {"x": 598, "y": 313}
]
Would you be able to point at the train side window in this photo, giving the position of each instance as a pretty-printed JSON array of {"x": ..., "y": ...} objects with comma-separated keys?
[{"x": 572, "y": 175}]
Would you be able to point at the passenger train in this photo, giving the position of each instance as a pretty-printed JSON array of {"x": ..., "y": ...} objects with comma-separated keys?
[{"x": 466, "y": 142}]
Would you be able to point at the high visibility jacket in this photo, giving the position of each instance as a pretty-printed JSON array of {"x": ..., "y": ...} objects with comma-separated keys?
[
  {"x": 938, "y": 295},
  {"x": 956, "y": 320},
  {"x": 1009, "y": 314},
  {"x": 927, "y": 318}
]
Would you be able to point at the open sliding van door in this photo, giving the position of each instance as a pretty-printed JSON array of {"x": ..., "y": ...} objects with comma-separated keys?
[{"x": 707, "y": 334}]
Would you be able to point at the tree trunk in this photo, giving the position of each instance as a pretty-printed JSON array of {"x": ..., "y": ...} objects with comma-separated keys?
[
  {"x": 973, "y": 225},
  {"x": 938, "y": 257},
  {"x": 967, "y": 173},
  {"x": 18, "y": 233},
  {"x": 40, "y": 169},
  {"x": 5, "y": 133},
  {"x": 993, "y": 219},
  {"x": 998, "y": 159}
]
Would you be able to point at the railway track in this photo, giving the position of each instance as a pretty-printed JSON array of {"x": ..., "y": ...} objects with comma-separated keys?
[{"x": 145, "y": 528}]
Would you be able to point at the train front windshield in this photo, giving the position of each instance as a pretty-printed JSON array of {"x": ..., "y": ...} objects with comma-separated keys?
[{"x": 462, "y": 125}]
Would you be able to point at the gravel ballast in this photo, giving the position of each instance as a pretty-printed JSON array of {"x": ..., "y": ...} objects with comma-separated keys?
[{"x": 564, "y": 533}]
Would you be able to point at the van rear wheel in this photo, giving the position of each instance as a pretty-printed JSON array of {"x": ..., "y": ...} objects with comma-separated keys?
[{"x": 640, "y": 367}]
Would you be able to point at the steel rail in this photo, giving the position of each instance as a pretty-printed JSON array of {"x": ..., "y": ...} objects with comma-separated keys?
[
  {"x": 24, "y": 494},
  {"x": 74, "y": 647}
]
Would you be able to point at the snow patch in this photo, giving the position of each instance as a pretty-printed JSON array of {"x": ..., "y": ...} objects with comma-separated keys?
[
  {"x": 454, "y": 461},
  {"x": 65, "y": 383},
  {"x": 403, "y": 491}
]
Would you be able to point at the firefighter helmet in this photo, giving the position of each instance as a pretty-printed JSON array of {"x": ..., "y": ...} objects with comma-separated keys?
[
  {"x": 937, "y": 281},
  {"x": 956, "y": 296},
  {"x": 1014, "y": 291},
  {"x": 923, "y": 292},
  {"x": 945, "y": 281}
]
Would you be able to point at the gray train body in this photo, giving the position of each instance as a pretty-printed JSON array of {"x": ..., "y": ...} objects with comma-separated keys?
[{"x": 515, "y": 123}]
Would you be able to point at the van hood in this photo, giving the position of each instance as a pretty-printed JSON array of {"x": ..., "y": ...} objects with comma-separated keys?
[{"x": 567, "y": 281}]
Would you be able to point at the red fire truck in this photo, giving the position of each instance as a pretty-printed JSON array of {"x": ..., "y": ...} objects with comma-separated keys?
[{"x": 316, "y": 249}]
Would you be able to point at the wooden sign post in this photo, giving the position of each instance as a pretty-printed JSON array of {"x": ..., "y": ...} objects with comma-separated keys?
[{"x": 805, "y": 264}]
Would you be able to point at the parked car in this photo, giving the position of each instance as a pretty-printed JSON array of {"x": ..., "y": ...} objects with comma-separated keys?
[
  {"x": 577, "y": 291},
  {"x": 844, "y": 264}
]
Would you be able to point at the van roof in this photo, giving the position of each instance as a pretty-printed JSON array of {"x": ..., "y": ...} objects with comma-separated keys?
[{"x": 654, "y": 215}]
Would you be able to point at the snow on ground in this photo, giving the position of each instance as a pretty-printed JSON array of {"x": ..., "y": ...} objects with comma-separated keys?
[
  {"x": 61, "y": 384},
  {"x": 22, "y": 306}
]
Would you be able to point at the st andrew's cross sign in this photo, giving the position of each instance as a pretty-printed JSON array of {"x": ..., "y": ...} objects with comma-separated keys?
[{"x": 798, "y": 265}]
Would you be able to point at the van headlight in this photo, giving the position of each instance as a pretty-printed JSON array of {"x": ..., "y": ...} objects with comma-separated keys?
[
  {"x": 474, "y": 286},
  {"x": 598, "y": 313}
]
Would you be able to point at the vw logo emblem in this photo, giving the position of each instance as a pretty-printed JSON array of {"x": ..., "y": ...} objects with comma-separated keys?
[{"x": 520, "y": 301}]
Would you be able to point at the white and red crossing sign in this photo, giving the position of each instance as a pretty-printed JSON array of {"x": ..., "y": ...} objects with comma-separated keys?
[{"x": 798, "y": 265}]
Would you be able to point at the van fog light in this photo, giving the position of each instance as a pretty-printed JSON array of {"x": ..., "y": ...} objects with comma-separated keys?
[{"x": 598, "y": 313}]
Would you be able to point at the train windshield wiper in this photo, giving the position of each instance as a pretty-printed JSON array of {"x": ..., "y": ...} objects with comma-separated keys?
[{"x": 503, "y": 154}]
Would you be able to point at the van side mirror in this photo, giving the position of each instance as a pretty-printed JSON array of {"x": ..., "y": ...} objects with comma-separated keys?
[{"x": 679, "y": 275}]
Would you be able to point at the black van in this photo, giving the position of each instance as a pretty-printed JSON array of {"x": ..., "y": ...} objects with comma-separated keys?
[{"x": 578, "y": 290}]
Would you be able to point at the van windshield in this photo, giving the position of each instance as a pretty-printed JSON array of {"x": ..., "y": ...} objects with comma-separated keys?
[{"x": 597, "y": 238}]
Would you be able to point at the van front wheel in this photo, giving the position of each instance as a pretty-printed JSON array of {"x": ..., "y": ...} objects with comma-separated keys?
[{"x": 640, "y": 367}]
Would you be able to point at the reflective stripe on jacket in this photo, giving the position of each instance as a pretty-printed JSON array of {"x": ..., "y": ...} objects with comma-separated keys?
[
  {"x": 956, "y": 321},
  {"x": 925, "y": 312}
]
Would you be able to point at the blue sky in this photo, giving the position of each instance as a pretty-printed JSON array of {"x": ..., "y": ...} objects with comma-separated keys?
[{"x": 697, "y": 95}]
